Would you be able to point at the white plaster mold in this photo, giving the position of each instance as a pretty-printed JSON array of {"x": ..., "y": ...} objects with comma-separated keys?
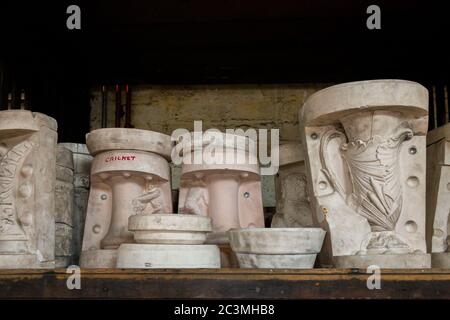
[
  {"x": 290, "y": 248},
  {"x": 293, "y": 209},
  {"x": 27, "y": 189},
  {"x": 438, "y": 195},
  {"x": 365, "y": 148}
]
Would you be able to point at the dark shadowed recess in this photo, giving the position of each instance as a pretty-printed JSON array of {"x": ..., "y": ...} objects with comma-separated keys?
[{"x": 212, "y": 42}]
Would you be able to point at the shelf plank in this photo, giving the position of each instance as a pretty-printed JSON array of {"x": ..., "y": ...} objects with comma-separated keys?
[{"x": 226, "y": 284}]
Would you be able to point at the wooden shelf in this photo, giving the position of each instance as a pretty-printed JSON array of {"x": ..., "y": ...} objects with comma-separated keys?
[{"x": 226, "y": 284}]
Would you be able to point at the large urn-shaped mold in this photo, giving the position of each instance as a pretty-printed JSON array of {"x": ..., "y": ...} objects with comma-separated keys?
[
  {"x": 365, "y": 155},
  {"x": 228, "y": 192},
  {"x": 293, "y": 209},
  {"x": 438, "y": 196},
  {"x": 290, "y": 248},
  {"x": 130, "y": 175},
  {"x": 27, "y": 198}
]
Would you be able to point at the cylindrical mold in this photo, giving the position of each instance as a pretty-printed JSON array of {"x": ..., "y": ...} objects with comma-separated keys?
[
  {"x": 220, "y": 179},
  {"x": 82, "y": 166},
  {"x": 64, "y": 200},
  {"x": 130, "y": 175}
]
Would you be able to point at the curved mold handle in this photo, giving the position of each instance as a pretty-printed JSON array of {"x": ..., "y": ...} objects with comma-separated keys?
[{"x": 327, "y": 168}]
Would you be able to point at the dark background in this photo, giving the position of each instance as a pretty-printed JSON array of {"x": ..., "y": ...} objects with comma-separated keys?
[{"x": 212, "y": 42}]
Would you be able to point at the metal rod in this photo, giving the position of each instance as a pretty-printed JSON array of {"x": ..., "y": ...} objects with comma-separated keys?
[
  {"x": 4, "y": 90},
  {"x": 27, "y": 97},
  {"x": 447, "y": 117},
  {"x": 435, "y": 116},
  {"x": 118, "y": 106},
  {"x": 15, "y": 94},
  {"x": 104, "y": 107},
  {"x": 128, "y": 107}
]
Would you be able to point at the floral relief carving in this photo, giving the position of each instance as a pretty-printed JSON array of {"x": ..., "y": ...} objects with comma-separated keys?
[{"x": 10, "y": 165}]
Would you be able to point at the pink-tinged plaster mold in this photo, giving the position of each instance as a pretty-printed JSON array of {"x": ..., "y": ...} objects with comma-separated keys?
[
  {"x": 229, "y": 192},
  {"x": 130, "y": 175}
]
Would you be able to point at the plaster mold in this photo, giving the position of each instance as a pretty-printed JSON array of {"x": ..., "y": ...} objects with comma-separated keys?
[
  {"x": 82, "y": 166},
  {"x": 169, "y": 228},
  {"x": 145, "y": 256},
  {"x": 129, "y": 175},
  {"x": 168, "y": 241},
  {"x": 220, "y": 179},
  {"x": 292, "y": 248},
  {"x": 293, "y": 207},
  {"x": 64, "y": 200},
  {"x": 438, "y": 195},
  {"x": 365, "y": 155},
  {"x": 27, "y": 189}
]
